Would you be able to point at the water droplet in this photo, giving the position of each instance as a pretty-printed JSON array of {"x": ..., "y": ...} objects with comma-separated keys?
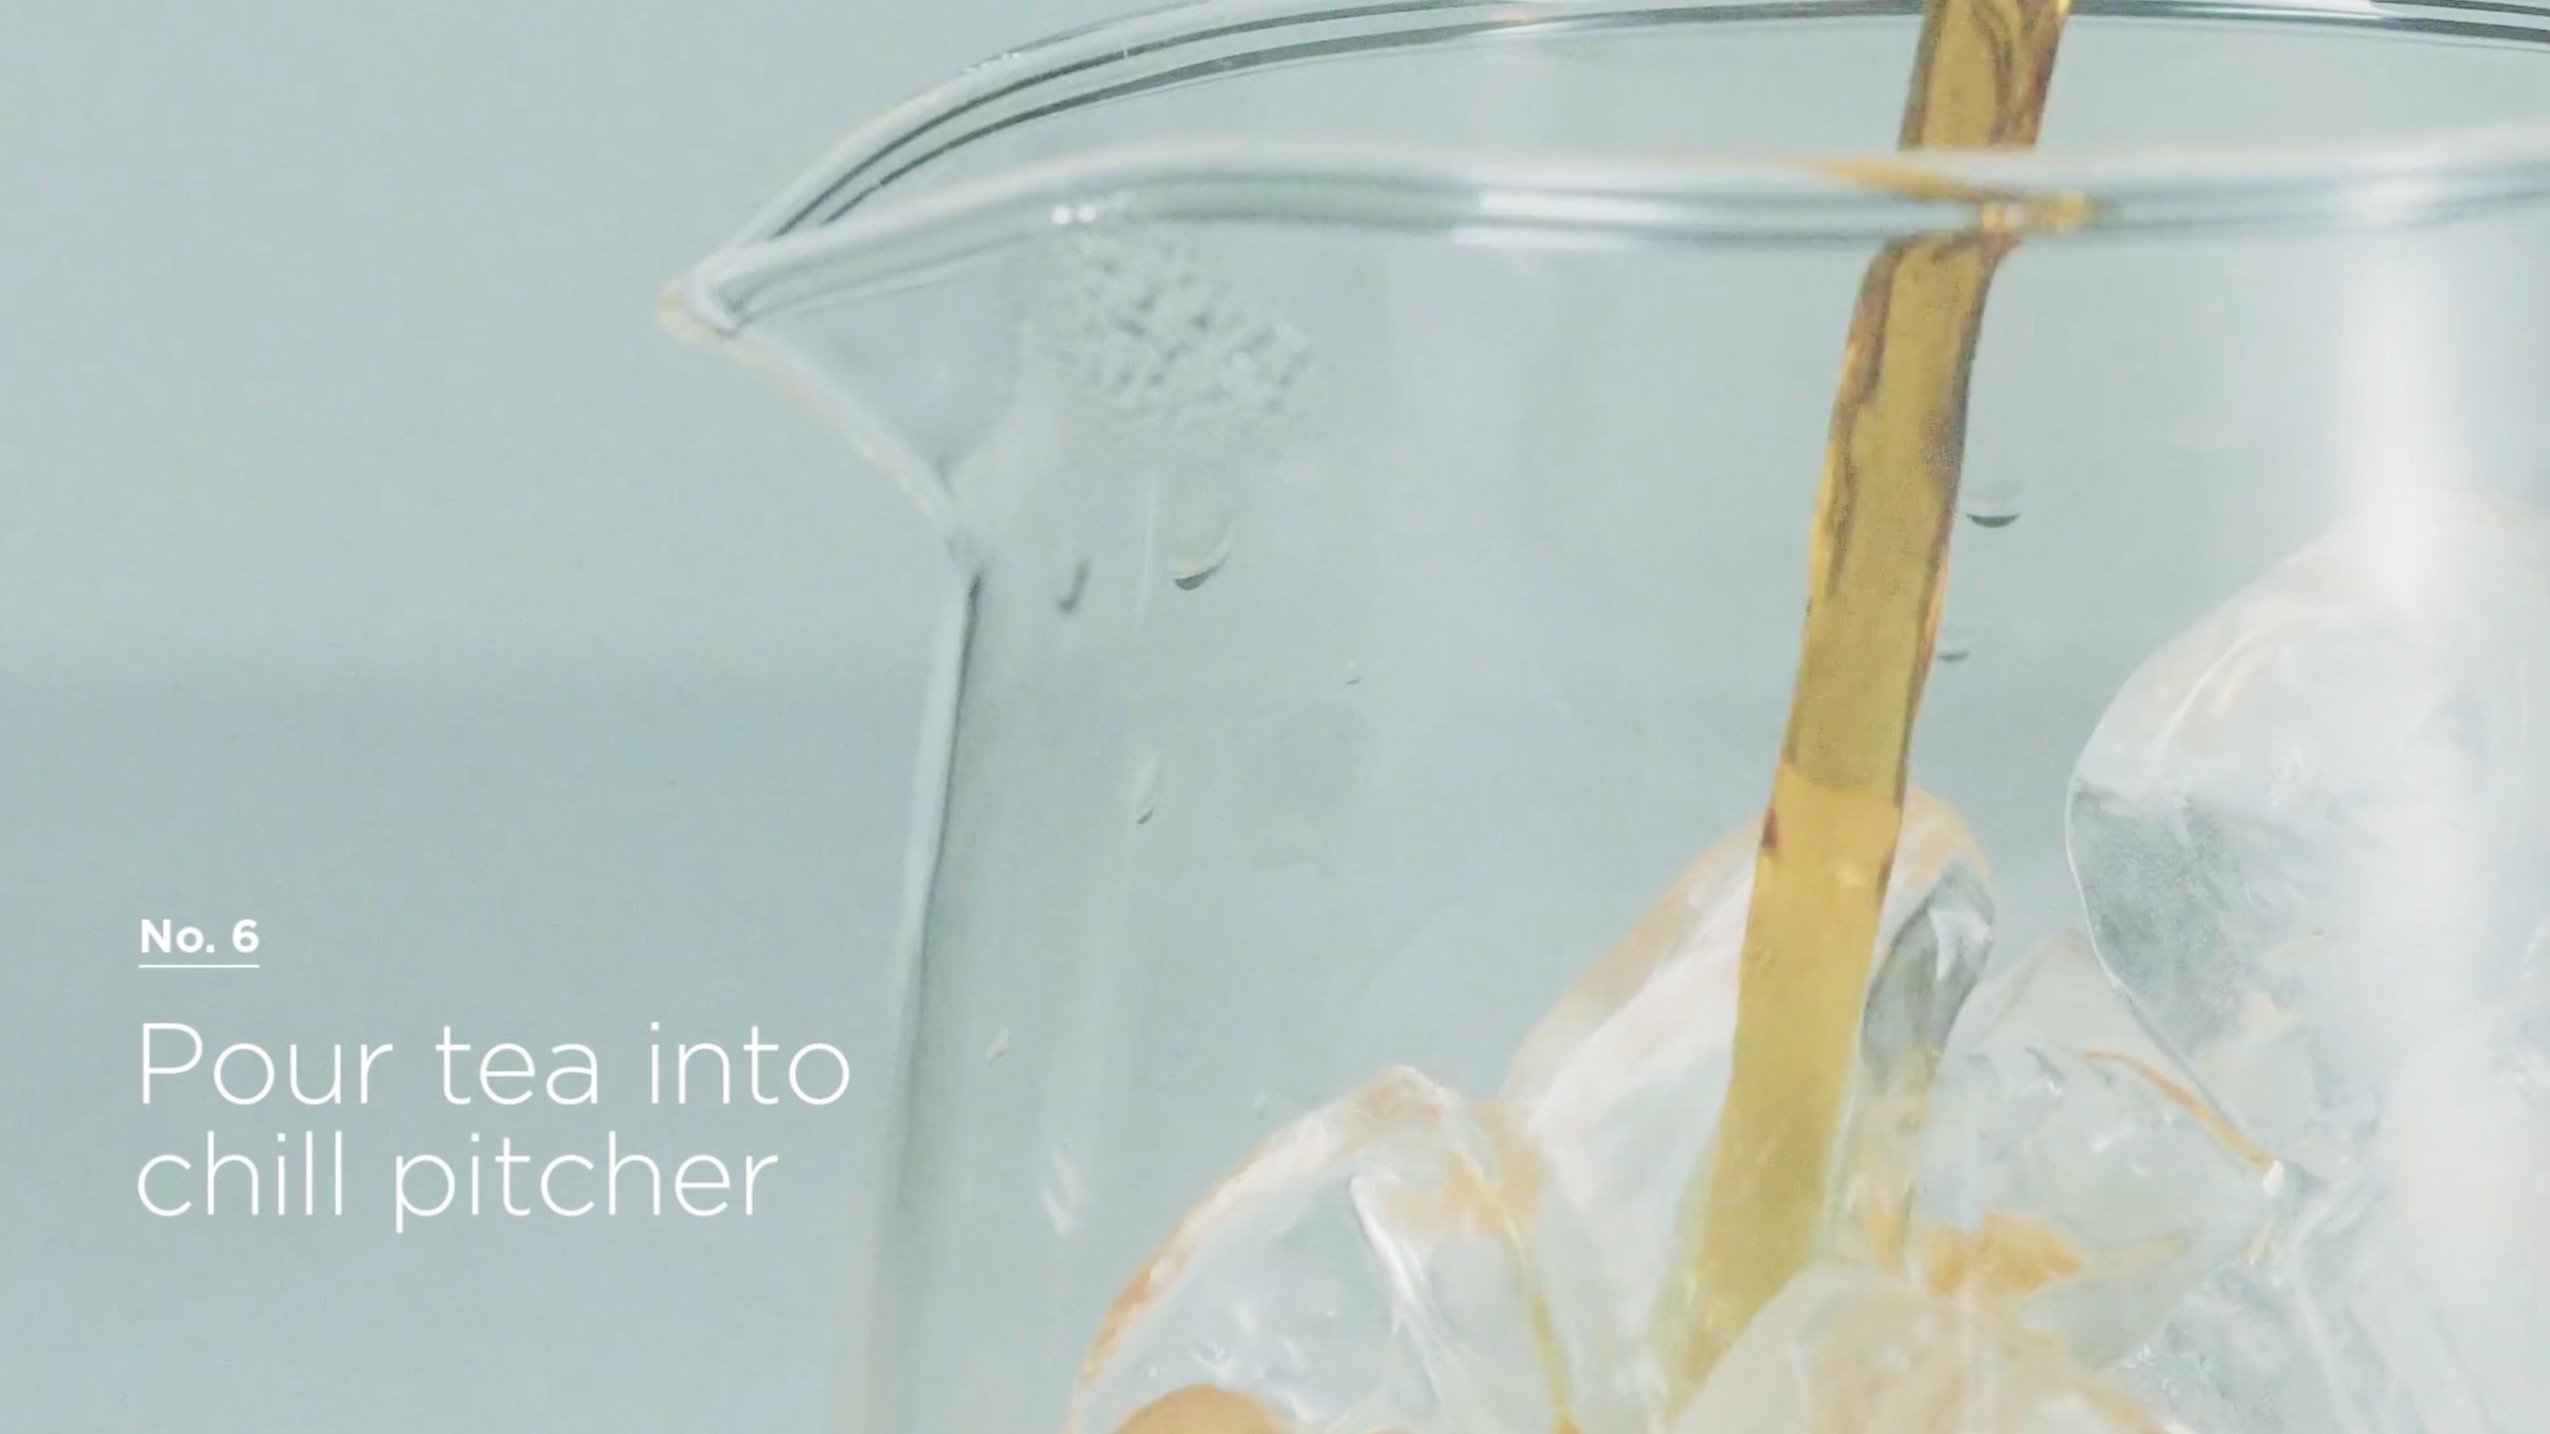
[
  {"x": 1992, "y": 500},
  {"x": 1956, "y": 644},
  {"x": 1146, "y": 789},
  {"x": 1155, "y": 335},
  {"x": 1199, "y": 520},
  {"x": 998, "y": 1048},
  {"x": 1354, "y": 675},
  {"x": 1071, "y": 582},
  {"x": 1192, "y": 575},
  {"x": 1264, "y": 367}
]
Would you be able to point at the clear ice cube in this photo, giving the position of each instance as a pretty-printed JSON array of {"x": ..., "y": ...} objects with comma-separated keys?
[
  {"x": 2335, "y": 1324},
  {"x": 2409, "y": 1296},
  {"x": 2069, "y": 1168},
  {"x": 2312, "y": 836},
  {"x": 2449, "y": 1228},
  {"x": 2313, "y": 832},
  {"x": 2235, "y": 1357},
  {"x": 1392, "y": 1261},
  {"x": 1847, "y": 1350},
  {"x": 1620, "y": 1085}
]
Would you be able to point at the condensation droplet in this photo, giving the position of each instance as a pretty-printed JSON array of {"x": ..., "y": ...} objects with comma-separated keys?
[
  {"x": 1956, "y": 644},
  {"x": 1199, "y": 522},
  {"x": 1071, "y": 582},
  {"x": 1146, "y": 789},
  {"x": 998, "y": 1048},
  {"x": 1354, "y": 675},
  {"x": 1991, "y": 501},
  {"x": 1192, "y": 575},
  {"x": 1155, "y": 335}
]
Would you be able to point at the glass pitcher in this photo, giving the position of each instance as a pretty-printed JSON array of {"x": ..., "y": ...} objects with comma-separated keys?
[{"x": 1376, "y": 447}]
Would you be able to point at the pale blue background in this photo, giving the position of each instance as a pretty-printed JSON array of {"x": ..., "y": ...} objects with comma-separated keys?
[{"x": 371, "y": 565}]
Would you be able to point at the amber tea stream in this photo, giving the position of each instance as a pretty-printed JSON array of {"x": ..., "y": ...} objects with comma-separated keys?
[{"x": 1877, "y": 576}]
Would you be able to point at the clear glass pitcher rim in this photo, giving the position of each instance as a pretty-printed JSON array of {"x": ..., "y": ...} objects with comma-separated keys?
[{"x": 837, "y": 229}]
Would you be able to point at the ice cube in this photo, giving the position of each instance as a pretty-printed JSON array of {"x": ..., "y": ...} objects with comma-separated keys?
[
  {"x": 1620, "y": 1084},
  {"x": 2331, "y": 1325},
  {"x": 2391, "y": 1359},
  {"x": 2072, "y": 1173},
  {"x": 2458, "y": 1208},
  {"x": 2235, "y": 1357},
  {"x": 2313, "y": 832},
  {"x": 2413, "y": 1296},
  {"x": 1846, "y": 1350},
  {"x": 2058, "y": 1130},
  {"x": 1392, "y": 1261}
]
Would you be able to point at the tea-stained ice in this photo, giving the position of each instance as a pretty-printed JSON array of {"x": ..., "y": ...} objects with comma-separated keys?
[
  {"x": 2266, "y": 1152},
  {"x": 1846, "y": 1350},
  {"x": 1203, "y": 1409},
  {"x": 1620, "y": 1085},
  {"x": 2055, "y": 1116},
  {"x": 1391, "y": 1261}
]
